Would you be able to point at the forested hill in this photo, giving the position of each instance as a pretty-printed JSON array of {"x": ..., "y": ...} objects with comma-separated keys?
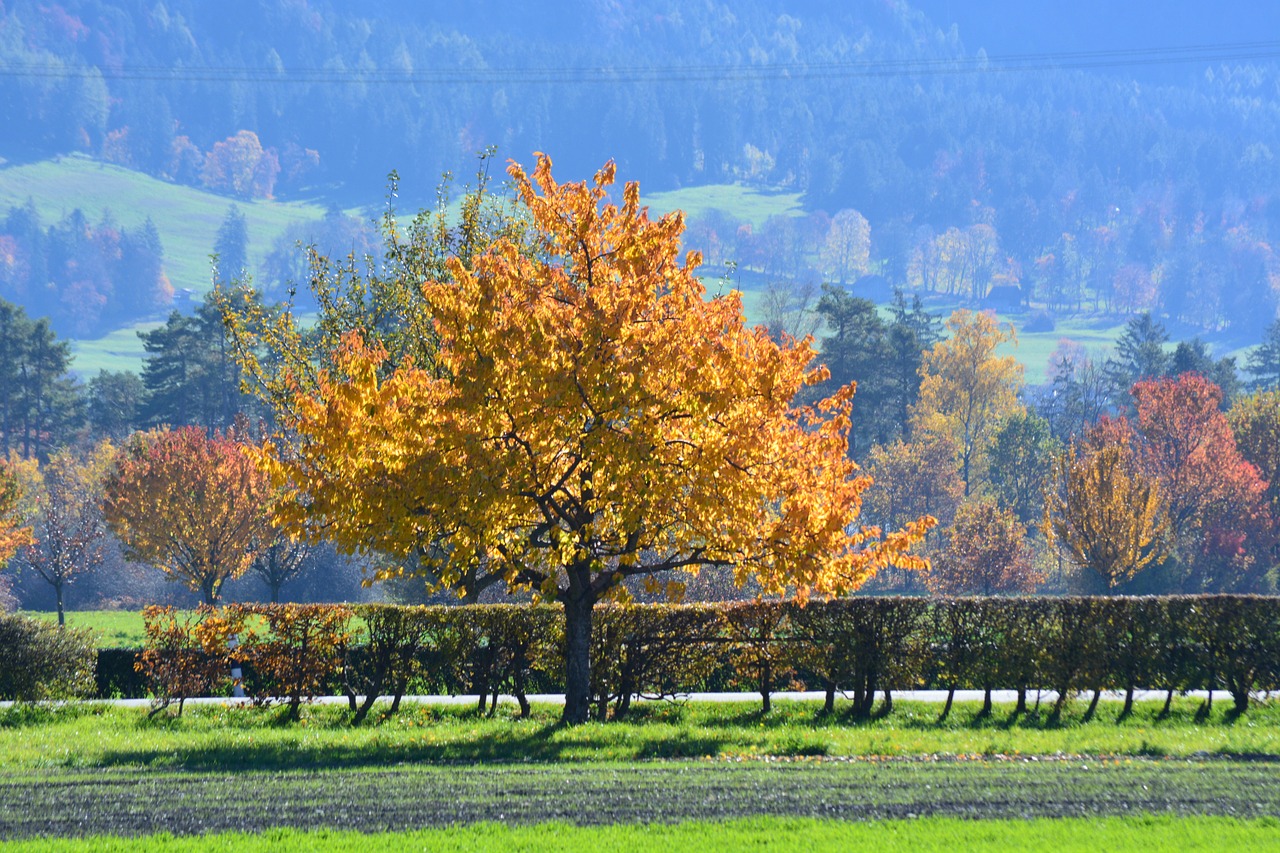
[{"x": 1091, "y": 185}]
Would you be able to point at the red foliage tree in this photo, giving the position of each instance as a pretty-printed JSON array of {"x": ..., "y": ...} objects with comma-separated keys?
[{"x": 1215, "y": 499}]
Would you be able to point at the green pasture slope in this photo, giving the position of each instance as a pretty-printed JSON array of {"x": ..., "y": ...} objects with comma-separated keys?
[
  {"x": 187, "y": 219},
  {"x": 737, "y": 201}
]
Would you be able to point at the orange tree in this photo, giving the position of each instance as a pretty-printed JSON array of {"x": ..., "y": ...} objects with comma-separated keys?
[
  {"x": 14, "y": 534},
  {"x": 190, "y": 504},
  {"x": 589, "y": 416}
]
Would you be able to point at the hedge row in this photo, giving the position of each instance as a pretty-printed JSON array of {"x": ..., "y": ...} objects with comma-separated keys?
[{"x": 859, "y": 647}]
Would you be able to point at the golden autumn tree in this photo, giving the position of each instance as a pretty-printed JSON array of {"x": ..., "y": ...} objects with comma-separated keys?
[
  {"x": 1255, "y": 423},
  {"x": 14, "y": 532},
  {"x": 966, "y": 390},
  {"x": 190, "y": 504},
  {"x": 1104, "y": 511},
  {"x": 589, "y": 416}
]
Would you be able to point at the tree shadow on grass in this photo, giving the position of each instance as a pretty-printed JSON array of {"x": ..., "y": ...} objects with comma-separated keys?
[{"x": 550, "y": 742}]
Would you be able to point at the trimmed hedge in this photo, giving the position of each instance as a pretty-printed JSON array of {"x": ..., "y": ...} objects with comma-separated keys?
[
  {"x": 39, "y": 660},
  {"x": 861, "y": 647}
]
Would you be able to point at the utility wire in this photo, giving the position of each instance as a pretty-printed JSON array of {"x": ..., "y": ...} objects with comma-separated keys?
[{"x": 846, "y": 69}]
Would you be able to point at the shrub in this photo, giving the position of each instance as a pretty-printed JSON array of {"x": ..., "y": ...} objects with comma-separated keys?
[{"x": 39, "y": 660}]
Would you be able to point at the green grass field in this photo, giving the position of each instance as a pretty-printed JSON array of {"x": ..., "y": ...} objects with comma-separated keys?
[
  {"x": 223, "y": 737},
  {"x": 113, "y": 627},
  {"x": 738, "y": 202},
  {"x": 926, "y": 835}
]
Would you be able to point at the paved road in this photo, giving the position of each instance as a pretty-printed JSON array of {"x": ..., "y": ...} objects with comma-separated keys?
[{"x": 939, "y": 696}]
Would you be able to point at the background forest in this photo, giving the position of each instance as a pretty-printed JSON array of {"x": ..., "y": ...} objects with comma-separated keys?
[{"x": 861, "y": 171}]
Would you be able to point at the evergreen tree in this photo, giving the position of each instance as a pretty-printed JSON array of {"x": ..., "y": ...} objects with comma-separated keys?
[
  {"x": 1139, "y": 355},
  {"x": 232, "y": 248},
  {"x": 1264, "y": 362}
]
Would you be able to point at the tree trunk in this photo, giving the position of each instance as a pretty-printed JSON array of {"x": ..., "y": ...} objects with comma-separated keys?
[
  {"x": 829, "y": 705},
  {"x": 946, "y": 709},
  {"x": 986, "y": 703},
  {"x": 1093, "y": 704},
  {"x": 766, "y": 688},
  {"x": 1128, "y": 703},
  {"x": 62, "y": 619},
  {"x": 1021, "y": 707},
  {"x": 577, "y": 655}
]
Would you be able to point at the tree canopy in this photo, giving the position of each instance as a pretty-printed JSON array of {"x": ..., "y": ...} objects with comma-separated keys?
[{"x": 590, "y": 416}]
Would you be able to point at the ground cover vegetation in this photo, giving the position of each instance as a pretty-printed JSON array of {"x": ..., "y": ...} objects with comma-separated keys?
[
  {"x": 926, "y": 835},
  {"x": 122, "y": 801}
]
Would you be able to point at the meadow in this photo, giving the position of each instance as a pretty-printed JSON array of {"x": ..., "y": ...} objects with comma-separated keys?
[
  {"x": 223, "y": 737},
  {"x": 674, "y": 774}
]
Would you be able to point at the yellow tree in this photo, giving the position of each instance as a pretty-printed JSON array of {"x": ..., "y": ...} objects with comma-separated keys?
[
  {"x": 1105, "y": 512},
  {"x": 1255, "y": 423},
  {"x": 14, "y": 532},
  {"x": 189, "y": 504},
  {"x": 589, "y": 417},
  {"x": 966, "y": 390}
]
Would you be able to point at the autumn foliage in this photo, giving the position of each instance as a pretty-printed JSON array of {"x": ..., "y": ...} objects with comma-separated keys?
[
  {"x": 986, "y": 553},
  {"x": 14, "y": 533},
  {"x": 590, "y": 416},
  {"x": 190, "y": 504}
]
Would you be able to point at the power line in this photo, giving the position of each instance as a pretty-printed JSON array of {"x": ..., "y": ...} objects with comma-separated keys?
[{"x": 1011, "y": 63}]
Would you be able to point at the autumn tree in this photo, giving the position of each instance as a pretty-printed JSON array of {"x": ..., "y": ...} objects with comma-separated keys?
[
  {"x": 913, "y": 478},
  {"x": 985, "y": 552},
  {"x": 846, "y": 251},
  {"x": 62, "y": 501},
  {"x": 1215, "y": 498},
  {"x": 240, "y": 166},
  {"x": 1255, "y": 424},
  {"x": 589, "y": 417},
  {"x": 1105, "y": 512},
  {"x": 967, "y": 391},
  {"x": 14, "y": 532},
  {"x": 188, "y": 503}
]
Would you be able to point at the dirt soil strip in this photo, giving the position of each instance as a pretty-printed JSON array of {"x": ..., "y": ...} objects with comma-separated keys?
[{"x": 139, "y": 801}]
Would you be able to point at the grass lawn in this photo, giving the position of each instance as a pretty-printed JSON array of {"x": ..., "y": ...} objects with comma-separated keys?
[
  {"x": 122, "y": 628},
  {"x": 223, "y": 738},
  {"x": 926, "y": 835}
]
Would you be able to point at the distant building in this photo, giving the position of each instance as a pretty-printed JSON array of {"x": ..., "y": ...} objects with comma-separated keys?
[{"x": 1003, "y": 297}]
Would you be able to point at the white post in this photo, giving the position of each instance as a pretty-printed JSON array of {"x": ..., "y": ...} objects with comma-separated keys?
[{"x": 237, "y": 677}]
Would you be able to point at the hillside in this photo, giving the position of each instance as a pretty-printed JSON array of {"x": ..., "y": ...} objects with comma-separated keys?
[{"x": 186, "y": 217}]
